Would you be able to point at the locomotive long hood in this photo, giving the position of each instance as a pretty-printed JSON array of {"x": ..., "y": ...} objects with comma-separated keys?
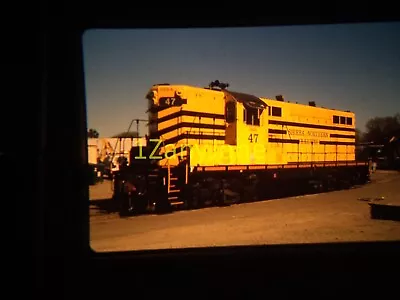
[{"x": 248, "y": 100}]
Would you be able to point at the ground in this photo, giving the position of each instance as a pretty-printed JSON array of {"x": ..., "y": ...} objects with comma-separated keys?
[{"x": 339, "y": 216}]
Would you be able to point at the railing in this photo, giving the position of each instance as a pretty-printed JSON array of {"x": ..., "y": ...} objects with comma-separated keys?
[{"x": 168, "y": 176}]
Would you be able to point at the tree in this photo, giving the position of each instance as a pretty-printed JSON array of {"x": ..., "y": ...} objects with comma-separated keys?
[
  {"x": 92, "y": 133},
  {"x": 381, "y": 129},
  {"x": 359, "y": 136}
]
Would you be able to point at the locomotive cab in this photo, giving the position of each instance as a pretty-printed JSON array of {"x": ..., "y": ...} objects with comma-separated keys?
[{"x": 246, "y": 117}]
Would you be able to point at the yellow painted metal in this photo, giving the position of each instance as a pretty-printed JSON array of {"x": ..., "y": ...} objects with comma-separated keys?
[{"x": 287, "y": 132}]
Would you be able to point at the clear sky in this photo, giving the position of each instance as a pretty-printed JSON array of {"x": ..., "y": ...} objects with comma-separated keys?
[{"x": 348, "y": 66}]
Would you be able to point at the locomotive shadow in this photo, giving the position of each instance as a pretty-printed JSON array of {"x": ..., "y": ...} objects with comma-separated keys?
[
  {"x": 108, "y": 206},
  {"x": 104, "y": 206}
]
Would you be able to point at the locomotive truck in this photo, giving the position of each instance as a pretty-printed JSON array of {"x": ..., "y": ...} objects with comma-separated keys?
[{"x": 206, "y": 145}]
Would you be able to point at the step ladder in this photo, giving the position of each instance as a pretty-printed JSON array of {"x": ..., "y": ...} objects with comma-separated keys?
[{"x": 173, "y": 186}]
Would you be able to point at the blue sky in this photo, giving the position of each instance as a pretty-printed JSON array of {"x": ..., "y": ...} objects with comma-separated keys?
[{"x": 347, "y": 66}]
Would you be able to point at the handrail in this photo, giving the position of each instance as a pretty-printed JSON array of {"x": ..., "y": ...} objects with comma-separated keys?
[{"x": 169, "y": 176}]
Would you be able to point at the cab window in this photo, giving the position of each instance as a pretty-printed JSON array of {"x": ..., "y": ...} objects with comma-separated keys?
[
  {"x": 251, "y": 116},
  {"x": 230, "y": 112}
]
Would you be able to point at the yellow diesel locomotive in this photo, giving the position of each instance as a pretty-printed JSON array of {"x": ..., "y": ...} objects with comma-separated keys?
[{"x": 208, "y": 144}]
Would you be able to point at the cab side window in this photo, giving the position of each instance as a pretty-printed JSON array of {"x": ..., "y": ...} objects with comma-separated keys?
[
  {"x": 276, "y": 111},
  {"x": 230, "y": 112},
  {"x": 251, "y": 116}
]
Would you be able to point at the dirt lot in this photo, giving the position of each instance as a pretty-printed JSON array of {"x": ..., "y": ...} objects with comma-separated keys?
[{"x": 330, "y": 217}]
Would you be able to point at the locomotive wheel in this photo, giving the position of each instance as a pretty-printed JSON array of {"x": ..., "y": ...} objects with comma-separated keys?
[
  {"x": 187, "y": 198},
  {"x": 247, "y": 194},
  {"x": 195, "y": 199},
  {"x": 356, "y": 178},
  {"x": 161, "y": 203},
  {"x": 162, "y": 206},
  {"x": 191, "y": 198},
  {"x": 126, "y": 206},
  {"x": 253, "y": 194},
  {"x": 218, "y": 197},
  {"x": 261, "y": 190}
]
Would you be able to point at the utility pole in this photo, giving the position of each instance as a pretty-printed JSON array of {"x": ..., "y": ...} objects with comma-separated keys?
[{"x": 129, "y": 128}]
